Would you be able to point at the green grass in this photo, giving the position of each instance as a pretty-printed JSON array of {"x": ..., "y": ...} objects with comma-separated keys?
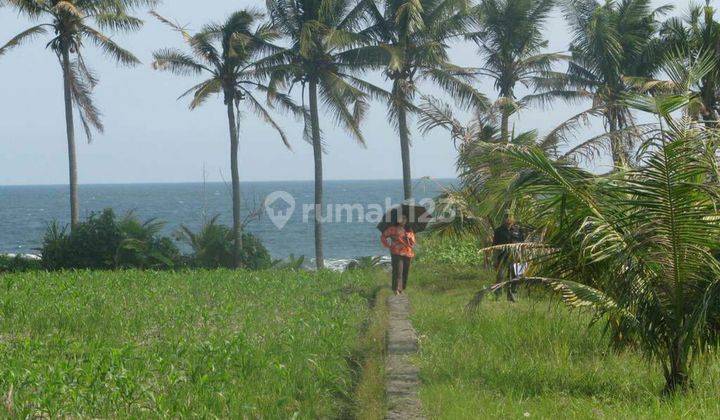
[
  {"x": 534, "y": 358},
  {"x": 202, "y": 343},
  {"x": 370, "y": 399}
]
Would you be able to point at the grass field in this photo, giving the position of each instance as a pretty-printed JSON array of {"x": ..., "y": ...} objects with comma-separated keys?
[
  {"x": 202, "y": 343},
  {"x": 534, "y": 359}
]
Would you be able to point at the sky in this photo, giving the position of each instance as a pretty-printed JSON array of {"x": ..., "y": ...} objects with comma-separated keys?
[{"x": 150, "y": 136}]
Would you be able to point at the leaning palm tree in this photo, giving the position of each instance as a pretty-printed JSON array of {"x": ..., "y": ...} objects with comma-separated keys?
[
  {"x": 69, "y": 23},
  {"x": 511, "y": 43},
  {"x": 226, "y": 53},
  {"x": 318, "y": 32},
  {"x": 611, "y": 41},
  {"x": 410, "y": 42}
]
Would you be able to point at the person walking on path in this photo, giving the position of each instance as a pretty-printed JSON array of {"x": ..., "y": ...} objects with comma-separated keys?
[
  {"x": 400, "y": 240},
  {"x": 508, "y": 232}
]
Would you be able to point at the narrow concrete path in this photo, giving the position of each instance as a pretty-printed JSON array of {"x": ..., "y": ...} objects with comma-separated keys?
[{"x": 403, "y": 381}]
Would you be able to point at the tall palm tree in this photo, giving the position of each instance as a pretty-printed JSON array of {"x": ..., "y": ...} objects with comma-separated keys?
[
  {"x": 319, "y": 31},
  {"x": 612, "y": 41},
  {"x": 696, "y": 36},
  {"x": 226, "y": 53},
  {"x": 511, "y": 43},
  {"x": 410, "y": 41},
  {"x": 69, "y": 23}
]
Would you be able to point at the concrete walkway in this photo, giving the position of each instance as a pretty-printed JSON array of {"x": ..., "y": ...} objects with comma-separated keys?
[{"x": 403, "y": 382}]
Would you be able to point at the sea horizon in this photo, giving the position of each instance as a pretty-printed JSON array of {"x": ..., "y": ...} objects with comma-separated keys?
[{"x": 28, "y": 209}]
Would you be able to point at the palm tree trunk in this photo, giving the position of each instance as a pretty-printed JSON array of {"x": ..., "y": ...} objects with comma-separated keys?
[
  {"x": 505, "y": 126},
  {"x": 616, "y": 146},
  {"x": 405, "y": 152},
  {"x": 235, "y": 173},
  {"x": 70, "y": 130},
  {"x": 317, "y": 153},
  {"x": 676, "y": 377}
]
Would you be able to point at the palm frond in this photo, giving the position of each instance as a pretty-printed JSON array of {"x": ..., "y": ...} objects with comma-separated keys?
[{"x": 24, "y": 36}]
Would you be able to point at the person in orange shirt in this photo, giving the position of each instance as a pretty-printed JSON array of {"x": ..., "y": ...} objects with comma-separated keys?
[{"x": 400, "y": 240}]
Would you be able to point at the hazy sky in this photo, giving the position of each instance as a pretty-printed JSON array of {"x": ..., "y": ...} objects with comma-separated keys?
[{"x": 151, "y": 137}]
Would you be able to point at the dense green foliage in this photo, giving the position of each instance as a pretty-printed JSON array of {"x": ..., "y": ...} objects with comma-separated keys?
[
  {"x": 195, "y": 343},
  {"x": 638, "y": 246},
  {"x": 18, "y": 263},
  {"x": 105, "y": 242},
  {"x": 536, "y": 357},
  {"x": 212, "y": 247}
]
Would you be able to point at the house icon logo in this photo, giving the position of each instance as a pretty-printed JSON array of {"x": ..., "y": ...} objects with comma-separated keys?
[{"x": 279, "y": 207}]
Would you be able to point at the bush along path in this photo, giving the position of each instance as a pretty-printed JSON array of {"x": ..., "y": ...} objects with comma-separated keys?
[{"x": 402, "y": 376}]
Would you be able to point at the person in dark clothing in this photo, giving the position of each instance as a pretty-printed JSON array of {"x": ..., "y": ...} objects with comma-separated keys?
[{"x": 508, "y": 232}]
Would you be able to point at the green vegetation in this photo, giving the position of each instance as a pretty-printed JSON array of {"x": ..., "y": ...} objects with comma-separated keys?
[
  {"x": 537, "y": 357},
  {"x": 460, "y": 252},
  {"x": 639, "y": 247},
  {"x": 636, "y": 247},
  {"x": 370, "y": 400},
  {"x": 106, "y": 242},
  {"x": 213, "y": 246},
  {"x": 203, "y": 343},
  {"x": 18, "y": 263}
]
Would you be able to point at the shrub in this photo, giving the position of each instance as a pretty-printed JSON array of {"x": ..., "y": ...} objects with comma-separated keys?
[
  {"x": 143, "y": 247},
  {"x": 18, "y": 263},
  {"x": 103, "y": 242},
  {"x": 365, "y": 263},
  {"x": 212, "y": 247}
]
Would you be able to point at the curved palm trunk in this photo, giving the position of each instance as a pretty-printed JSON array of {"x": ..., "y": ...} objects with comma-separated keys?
[
  {"x": 405, "y": 152},
  {"x": 237, "y": 224},
  {"x": 70, "y": 131},
  {"x": 317, "y": 153}
]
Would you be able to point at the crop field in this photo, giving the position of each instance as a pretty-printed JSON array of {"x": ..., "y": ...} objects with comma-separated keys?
[
  {"x": 269, "y": 344},
  {"x": 535, "y": 359}
]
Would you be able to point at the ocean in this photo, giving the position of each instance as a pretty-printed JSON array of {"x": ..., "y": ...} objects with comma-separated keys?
[{"x": 349, "y": 232}]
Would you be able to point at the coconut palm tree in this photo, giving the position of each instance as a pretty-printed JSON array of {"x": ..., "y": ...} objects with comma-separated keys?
[
  {"x": 318, "y": 32},
  {"x": 410, "y": 42},
  {"x": 69, "y": 22},
  {"x": 694, "y": 37},
  {"x": 226, "y": 53},
  {"x": 511, "y": 43},
  {"x": 612, "y": 41},
  {"x": 486, "y": 177},
  {"x": 638, "y": 247}
]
